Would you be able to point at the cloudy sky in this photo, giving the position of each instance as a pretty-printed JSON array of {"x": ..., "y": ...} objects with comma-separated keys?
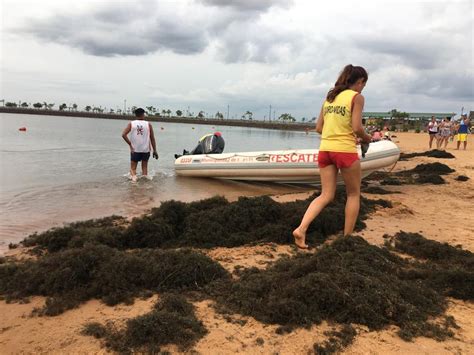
[{"x": 249, "y": 54}]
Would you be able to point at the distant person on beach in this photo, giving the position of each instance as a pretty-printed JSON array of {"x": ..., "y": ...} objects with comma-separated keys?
[
  {"x": 433, "y": 131},
  {"x": 445, "y": 131},
  {"x": 463, "y": 130},
  {"x": 377, "y": 135},
  {"x": 386, "y": 134},
  {"x": 339, "y": 120},
  {"x": 141, "y": 138}
]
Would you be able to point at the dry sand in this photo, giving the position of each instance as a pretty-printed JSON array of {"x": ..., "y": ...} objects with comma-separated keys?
[{"x": 439, "y": 212}]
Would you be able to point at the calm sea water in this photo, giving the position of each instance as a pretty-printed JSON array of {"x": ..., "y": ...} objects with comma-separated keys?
[{"x": 64, "y": 169}]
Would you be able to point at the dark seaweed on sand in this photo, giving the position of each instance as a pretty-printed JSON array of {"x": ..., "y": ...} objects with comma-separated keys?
[
  {"x": 430, "y": 173},
  {"x": 435, "y": 153},
  {"x": 377, "y": 190},
  {"x": 338, "y": 340},
  {"x": 349, "y": 281},
  {"x": 73, "y": 276},
  {"x": 205, "y": 224},
  {"x": 462, "y": 178},
  {"x": 447, "y": 269},
  {"x": 172, "y": 321}
]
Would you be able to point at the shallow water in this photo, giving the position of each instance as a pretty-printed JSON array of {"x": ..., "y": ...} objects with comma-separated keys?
[{"x": 64, "y": 169}]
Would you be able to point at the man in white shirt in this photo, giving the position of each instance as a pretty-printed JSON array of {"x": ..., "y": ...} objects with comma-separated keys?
[{"x": 141, "y": 138}]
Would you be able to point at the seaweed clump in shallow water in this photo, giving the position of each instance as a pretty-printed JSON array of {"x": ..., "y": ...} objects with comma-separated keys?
[
  {"x": 205, "y": 224},
  {"x": 435, "y": 153},
  {"x": 349, "y": 281},
  {"x": 172, "y": 321},
  {"x": 71, "y": 277}
]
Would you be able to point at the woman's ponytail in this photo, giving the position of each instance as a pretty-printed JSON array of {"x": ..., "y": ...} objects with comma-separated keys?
[{"x": 348, "y": 77}]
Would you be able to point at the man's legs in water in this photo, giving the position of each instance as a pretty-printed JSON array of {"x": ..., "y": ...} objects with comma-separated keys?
[
  {"x": 145, "y": 167},
  {"x": 133, "y": 170}
]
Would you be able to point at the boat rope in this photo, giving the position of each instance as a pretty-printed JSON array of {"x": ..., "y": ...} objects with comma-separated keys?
[{"x": 391, "y": 168}]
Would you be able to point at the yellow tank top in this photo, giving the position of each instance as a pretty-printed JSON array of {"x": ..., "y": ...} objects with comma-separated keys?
[{"x": 338, "y": 135}]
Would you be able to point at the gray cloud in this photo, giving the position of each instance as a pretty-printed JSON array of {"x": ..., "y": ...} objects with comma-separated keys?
[
  {"x": 248, "y": 5},
  {"x": 147, "y": 27},
  {"x": 117, "y": 31}
]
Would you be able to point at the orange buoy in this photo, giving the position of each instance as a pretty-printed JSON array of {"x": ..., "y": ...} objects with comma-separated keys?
[{"x": 22, "y": 129}]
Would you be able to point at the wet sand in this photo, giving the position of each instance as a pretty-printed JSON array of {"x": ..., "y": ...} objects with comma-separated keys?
[{"x": 438, "y": 212}]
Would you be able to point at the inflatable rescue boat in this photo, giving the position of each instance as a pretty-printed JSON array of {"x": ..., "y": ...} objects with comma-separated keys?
[{"x": 290, "y": 166}]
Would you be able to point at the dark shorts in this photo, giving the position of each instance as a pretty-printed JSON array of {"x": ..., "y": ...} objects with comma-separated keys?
[
  {"x": 339, "y": 159},
  {"x": 136, "y": 157},
  {"x": 430, "y": 133}
]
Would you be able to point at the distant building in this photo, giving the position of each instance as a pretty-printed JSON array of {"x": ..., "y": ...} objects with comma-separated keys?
[{"x": 414, "y": 116}]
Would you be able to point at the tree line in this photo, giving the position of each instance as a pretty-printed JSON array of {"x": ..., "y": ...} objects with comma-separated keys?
[{"x": 151, "y": 111}]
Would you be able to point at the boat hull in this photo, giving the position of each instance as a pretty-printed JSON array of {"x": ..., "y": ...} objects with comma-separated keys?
[{"x": 293, "y": 166}]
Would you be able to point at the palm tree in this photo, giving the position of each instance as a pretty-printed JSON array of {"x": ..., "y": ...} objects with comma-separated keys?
[
  {"x": 200, "y": 114},
  {"x": 168, "y": 111},
  {"x": 24, "y": 105},
  {"x": 179, "y": 113},
  {"x": 45, "y": 105},
  {"x": 62, "y": 107},
  {"x": 286, "y": 117},
  {"x": 151, "y": 110},
  {"x": 74, "y": 107},
  {"x": 50, "y": 106},
  {"x": 88, "y": 108},
  {"x": 249, "y": 114},
  {"x": 37, "y": 105}
]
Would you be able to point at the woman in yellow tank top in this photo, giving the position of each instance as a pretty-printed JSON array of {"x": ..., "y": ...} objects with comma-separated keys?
[{"x": 339, "y": 122}]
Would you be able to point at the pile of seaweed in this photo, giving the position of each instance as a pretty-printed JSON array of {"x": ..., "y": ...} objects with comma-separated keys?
[
  {"x": 208, "y": 223},
  {"x": 377, "y": 190},
  {"x": 171, "y": 321},
  {"x": 337, "y": 340},
  {"x": 70, "y": 277},
  {"x": 429, "y": 173},
  {"x": 445, "y": 268},
  {"x": 349, "y": 281},
  {"x": 435, "y": 153}
]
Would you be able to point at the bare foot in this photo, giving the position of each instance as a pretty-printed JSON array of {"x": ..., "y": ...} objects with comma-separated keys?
[{"x": 300, "y": 239}]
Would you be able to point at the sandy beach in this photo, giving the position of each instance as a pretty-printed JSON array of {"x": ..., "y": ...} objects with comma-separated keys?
[{"x": 439, "y": 212}]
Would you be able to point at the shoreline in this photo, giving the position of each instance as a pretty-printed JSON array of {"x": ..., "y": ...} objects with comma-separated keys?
[{"x": 173, "y": 119}]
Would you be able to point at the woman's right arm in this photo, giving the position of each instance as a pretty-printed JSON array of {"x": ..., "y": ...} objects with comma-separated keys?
[
  {"x": 320, "y": 122},
  {"x": 357, "y": 119}
]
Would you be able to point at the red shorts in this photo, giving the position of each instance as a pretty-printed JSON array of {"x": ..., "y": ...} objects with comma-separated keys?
[{"x": 339, "y": 159}]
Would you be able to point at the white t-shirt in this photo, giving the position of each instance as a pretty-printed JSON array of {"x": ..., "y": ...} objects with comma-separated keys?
[
  {"x": 140, "y": 136},
  {"x": 433, "y": 126}
]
